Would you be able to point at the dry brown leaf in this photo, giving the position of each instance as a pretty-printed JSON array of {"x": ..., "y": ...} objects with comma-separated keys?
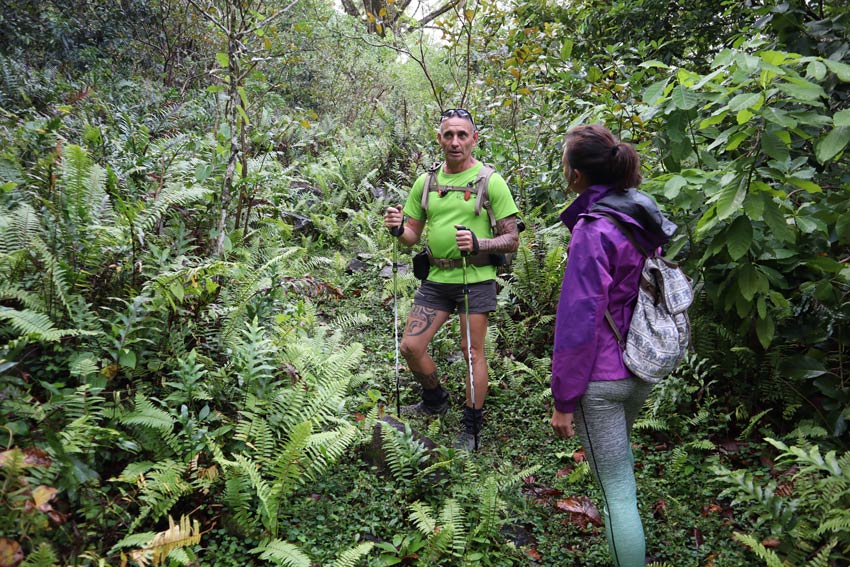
[
  {"x": 11, "y": 553},
  {"x": 581, "y": 510}
]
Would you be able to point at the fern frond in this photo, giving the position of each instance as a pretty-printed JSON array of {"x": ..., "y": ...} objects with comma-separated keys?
[
  {"x": 173, "y": 195},
  {"x": 184, "y": 534},
  {"x": 147, "y": 415},
  {"x": 423, "y": 518},
  {"x": 289, "y": 466},
  {"x": 268, "y": 497},
  {"x": 452, "y": 520},
  {"x": 282, "y": 553},
  {"x": 350, "y": 557},
  {"x": 770, "y": 558},
  {"x": 38, "y": 326},
  {"x": 41, "y": 556}
]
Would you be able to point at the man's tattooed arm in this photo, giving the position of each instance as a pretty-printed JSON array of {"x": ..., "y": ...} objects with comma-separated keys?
[{"x": 506, "y": 239}]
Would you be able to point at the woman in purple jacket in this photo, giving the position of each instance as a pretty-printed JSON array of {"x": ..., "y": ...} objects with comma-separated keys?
[{"x": 595, "y": 394}]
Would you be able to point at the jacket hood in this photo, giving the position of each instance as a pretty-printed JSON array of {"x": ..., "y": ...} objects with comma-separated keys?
[{"x": 642, "y": 210}]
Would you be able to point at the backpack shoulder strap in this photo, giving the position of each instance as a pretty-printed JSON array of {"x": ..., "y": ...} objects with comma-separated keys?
[
  {"x": 483, "y": 198},
  {"x": 626, "y": 232},
  {"x": 430, "y": 183}
]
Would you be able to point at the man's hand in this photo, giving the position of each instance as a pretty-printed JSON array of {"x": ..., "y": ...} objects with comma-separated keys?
[
  {"x": 393, "y": 219},
  {"x": 467, "y": 242},
  {"x": 562, "y": 423}
]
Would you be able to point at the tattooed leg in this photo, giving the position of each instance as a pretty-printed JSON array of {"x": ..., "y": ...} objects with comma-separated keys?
[
  {"x": 422, "y": 324},
  {"x": 427, "y": 381}
]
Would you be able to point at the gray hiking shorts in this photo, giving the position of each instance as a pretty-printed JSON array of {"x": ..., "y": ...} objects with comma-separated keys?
[{"x": 448, "y": 297}]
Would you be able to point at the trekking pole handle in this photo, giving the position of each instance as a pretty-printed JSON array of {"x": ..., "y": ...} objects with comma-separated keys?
[
  {"x": 398, "y": 230},
  {"x": 474, "y": 250}
]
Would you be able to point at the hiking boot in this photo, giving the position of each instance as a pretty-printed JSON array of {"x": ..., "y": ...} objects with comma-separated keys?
[
  {"x": 472, "y": 422},
  {"x": 434, "y": 402}
]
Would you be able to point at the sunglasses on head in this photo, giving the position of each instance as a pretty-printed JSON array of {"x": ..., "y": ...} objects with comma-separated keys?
[{"x": 459, "y": 112}]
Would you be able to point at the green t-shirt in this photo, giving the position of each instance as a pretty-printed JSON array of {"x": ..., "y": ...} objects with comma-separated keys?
[{"x": 451, "y": 209}]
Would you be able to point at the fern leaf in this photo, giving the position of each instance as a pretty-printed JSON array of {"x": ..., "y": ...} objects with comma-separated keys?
[
  {"x": 147, "y": 415},
  {"x": 184, "y": 534},
  {"x": 350, "y": 557},
  {"x": 767, "y": 555},
  {"x": 282, "y": 553}
]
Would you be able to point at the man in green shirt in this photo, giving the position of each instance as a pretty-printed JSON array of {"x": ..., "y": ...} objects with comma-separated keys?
[{"x": 454, "y": 228}]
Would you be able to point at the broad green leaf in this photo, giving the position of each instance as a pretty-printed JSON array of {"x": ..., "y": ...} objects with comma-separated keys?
[
  {"x": 841, "y": 70},
  {"x": 738, "y": 137},
  {"x": 673, "y": 186},
  {"x": 816, "y": 70},
  {"x": 841, "y": 118},
  {"x": 653, "y": 64},
  {"x": 825, "y": 264},
  {"x": 654, "y": 91},
  {"x": 176, "y": 290},
  {"x": 765, "y": 330},
  {"x": 222, "y": 59},
  {"x": 775, "y": 57},
  {"x": 754, "y": 205},
  {"x": 805, "y": 184},
  {"x": 751, "y": 281},
  {"x": 567, "y": 49},
  {"x": 684, "y": 98},
  {"x": 746, "y": 100},
  {"x": 842, "y": 228},
  {"x": 716, "y": 118},
  {"x": 739, "y": 237},
  {"x": 777, "y": 222},
  {"x": 730, "y": 199},
  {"x": 830, "y": 145},
  {"x": 127, "y": 358},
  {"x": 773, "y": 144},
  {"x": 803, "y": 90},
  {"x": 761, "y": 307},
  {"x": 780, "y": 117},
  {"x": 743, "y": 116},
  {"x": 806, "y": 225}
]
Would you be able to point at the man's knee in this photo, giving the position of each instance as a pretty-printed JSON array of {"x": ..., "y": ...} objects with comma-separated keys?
[{"x": 411, "y": 351}]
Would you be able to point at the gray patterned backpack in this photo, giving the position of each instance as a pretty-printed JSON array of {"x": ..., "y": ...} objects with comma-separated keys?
[{"x": 660, "y": 330}]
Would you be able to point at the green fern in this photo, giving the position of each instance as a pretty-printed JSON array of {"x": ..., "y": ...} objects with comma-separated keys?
[
  {"x": 42, "y": 556},
  {"x": 38, "y": 326},
  {"x": 350, "y": 557},
  {"x": 405, "y": 455},
  {"x": 282, "y": 553}
]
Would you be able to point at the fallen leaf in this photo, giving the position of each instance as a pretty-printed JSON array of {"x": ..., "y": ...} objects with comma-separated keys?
[
  {"x": 42, "y": 495},
  {"x": 532, "y": 553},
  {"x": 712, "y": 508},
  {"x": 659, "y": 509},
  {"x": 11, "y": 553},
  {"x": 566, "y": 471},
  {"x": 579, "y": 456},
  {"x": 771, "y": 542},
  {"x": 581, "y": 510}
]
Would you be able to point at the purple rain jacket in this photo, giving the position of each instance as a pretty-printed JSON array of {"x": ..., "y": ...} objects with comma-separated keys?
[{"x": 603, "y": 271}]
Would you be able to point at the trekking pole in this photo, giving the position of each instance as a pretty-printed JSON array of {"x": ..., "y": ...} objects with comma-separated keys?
[
  {"x": 463, "y": 256},
  {"x": 396, "y": 232}
]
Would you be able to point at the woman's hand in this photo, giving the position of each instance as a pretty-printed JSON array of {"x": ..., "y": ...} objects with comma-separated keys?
[{"x": 562, "y": 423}]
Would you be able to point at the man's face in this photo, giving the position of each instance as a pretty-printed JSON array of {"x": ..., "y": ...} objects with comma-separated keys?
[{"x": 457, "y": 137}]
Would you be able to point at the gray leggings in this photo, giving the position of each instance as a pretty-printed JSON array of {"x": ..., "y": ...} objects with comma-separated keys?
[{"x": 603, "y": 421}]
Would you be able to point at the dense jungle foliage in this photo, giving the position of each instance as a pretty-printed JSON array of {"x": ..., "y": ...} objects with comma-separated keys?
[{"x": 197, "y": 297}]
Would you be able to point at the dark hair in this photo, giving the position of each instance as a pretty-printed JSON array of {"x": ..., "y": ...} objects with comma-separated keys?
[{"x": 601, "y": 157}]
